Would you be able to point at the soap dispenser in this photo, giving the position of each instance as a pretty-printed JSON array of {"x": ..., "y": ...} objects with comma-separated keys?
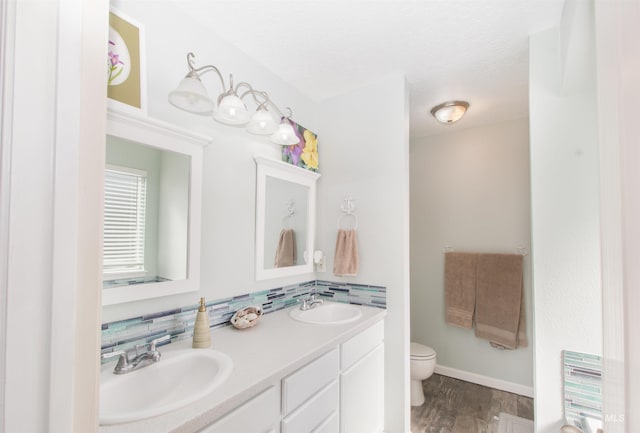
[{"x": 201, "y": 331}]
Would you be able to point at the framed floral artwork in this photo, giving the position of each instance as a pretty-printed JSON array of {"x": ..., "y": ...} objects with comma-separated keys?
[
  {"x": 305, "y": 153},
  {"x": 126, "y": 83}
]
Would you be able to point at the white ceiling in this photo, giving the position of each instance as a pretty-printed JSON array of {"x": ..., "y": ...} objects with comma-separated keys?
[{"x": 476, "y": 50}]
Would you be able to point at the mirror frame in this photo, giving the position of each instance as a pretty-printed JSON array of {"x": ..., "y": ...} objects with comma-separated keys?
[
  {"x": 164, "y": 136},
  {"x": 288, "y": 172}
]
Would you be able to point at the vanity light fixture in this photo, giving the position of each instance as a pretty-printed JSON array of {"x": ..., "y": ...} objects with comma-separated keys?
[
  {"x": 450, "y": 111},
  {"x": 229, "y": 107}
]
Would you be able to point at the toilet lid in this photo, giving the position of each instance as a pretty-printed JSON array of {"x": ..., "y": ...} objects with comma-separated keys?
[{"x": 421, "y": 351}]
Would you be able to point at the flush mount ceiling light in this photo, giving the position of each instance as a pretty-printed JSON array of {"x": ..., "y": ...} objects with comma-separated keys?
[
  {"x": 450, "y": 111},
  {"x": 229, "y": 108}
]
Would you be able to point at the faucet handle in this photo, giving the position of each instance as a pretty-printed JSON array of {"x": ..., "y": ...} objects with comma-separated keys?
[
  {"x": 114, "y": 354},
  {"x": 123, "y": 359},
  {"x": 315, "y": 297},
  {"x": 154, "y": 343}
]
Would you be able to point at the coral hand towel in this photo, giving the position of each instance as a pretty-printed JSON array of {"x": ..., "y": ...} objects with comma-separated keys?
[
  {"x": 346, "y": 260},
  {"x": 286, "y": 250},
  {"x": 499, "y": 303},
  {"x": 460, "y": 288}
]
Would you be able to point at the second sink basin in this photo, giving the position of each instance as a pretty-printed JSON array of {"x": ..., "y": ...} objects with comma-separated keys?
[
  {"x": 179, "y": 378},
  {"x": 329, "y": 313}
]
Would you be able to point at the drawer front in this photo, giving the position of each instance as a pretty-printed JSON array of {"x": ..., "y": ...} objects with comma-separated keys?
[
  {"x": 329, "y": 425},
  {"x": 307, "y": 381},
  {"x": 258, "y": 415},
  {"x": 361, "y": 344},
  {"x": 314, "y": 412}
]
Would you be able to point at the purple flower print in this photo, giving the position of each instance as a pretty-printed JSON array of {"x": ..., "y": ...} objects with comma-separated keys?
[
  {"x": 292, "y": 153},
  {"x": 303, "y": 154},
  {"x": 113, "y": 64},
  {"x": 114, "y": 58}
]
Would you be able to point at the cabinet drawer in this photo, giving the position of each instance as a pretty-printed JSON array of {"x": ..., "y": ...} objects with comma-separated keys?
[
  {"x": 329, "y": 425},
  {"x": 361, "y": 344},
  {"x": 312, "y": 415},
  {"x": 307, "y": 381},
  {"x": 258, "y": 415}
]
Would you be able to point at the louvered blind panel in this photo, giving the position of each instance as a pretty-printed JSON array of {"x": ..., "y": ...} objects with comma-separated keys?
[{"x": 124, "y": 220}]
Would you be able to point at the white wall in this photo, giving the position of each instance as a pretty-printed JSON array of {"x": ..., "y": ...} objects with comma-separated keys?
[
  {"x": 618, "y": 67},
  {"x": 628, "y": 37},
  {"x": 363, "y": 149},
  {"x": 470, "y": 191},
  {"x": 51, "y": 203},
  {"x": 228, "y": 202},
  {"x": 565, "y": 212},
  {"x": 31, "y": 224}
]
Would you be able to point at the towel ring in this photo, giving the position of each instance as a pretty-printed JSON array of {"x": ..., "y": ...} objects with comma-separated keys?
[
  {"x": 290, "y": 219},
  {"x": 355, "y": 225}
]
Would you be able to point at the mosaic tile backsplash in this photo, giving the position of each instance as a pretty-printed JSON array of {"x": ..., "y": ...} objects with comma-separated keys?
[
  {"x": 583, "y": 390},
  {"x": 138, "y": 331}
]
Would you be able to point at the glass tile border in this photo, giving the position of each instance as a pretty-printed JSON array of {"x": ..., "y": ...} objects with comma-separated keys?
[
  {"x": 178, "y": 322},
  {"x": 582, "y": 388}
]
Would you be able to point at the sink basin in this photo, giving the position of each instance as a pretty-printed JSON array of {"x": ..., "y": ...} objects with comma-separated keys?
[
  {"x": 179, "y": 378},
  {"x": 329, "y": 313}
]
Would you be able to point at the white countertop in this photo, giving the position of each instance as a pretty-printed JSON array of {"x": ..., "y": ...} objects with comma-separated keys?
[{"x": 262, "y": 355}]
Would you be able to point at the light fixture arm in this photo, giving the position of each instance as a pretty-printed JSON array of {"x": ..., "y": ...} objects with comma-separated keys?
[
  {"x": 286, "y": 108},
  {"x": 275, "y": 107},
  {"x": 193, "y": 71},
  {"x": 265, "y": 102},
  {"x": 251, "y": 92}
]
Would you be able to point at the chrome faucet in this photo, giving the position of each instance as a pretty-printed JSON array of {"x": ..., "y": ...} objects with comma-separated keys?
[
  {"x": 126, "y": 365},
  {"x": 311, "y": 302}
]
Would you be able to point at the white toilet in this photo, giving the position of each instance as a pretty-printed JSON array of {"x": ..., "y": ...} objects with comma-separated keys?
[{"x": 423, "y": 361}]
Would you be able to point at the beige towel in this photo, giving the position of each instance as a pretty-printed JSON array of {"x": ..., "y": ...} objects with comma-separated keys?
[
  {"x": 286, "y": 250},
  {"x": 460, "y": 288},
  {"x": 499, "y": 300},
  {"x": 346, "y": 260}
]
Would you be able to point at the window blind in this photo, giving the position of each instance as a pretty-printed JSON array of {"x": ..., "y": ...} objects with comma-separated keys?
[{"x": 124, "y": 222}]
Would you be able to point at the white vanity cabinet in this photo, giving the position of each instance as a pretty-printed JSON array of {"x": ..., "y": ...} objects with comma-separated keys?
[
  {"x": 341, "y": 391},
  {"x": 362, "y": 382},
  {"x": 260, "y": 414}
]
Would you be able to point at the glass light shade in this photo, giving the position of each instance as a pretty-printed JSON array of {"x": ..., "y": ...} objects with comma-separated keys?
[
  {"x": 450, "y": 112},
  {"x": 285, "y": 135},
  {"x": 262, "y": 123},
  {"x": 231, "y": 111},
  {"x": 191, "y": 96}
]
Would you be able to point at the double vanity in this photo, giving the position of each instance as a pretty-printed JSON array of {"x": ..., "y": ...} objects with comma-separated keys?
[
  {"x": 318, "y": 370},
  {"x": 314, "y": 367}
]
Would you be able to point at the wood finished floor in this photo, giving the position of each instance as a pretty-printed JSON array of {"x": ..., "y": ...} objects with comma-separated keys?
[{"x": 455, "y": 406}]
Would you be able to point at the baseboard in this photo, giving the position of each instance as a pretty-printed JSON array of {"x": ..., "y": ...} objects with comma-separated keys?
[{"x": 479, "y": 379}]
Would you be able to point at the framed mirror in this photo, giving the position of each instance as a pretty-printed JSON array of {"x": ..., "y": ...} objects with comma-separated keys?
[
  {"x": 152, "y": 209},
  {"x": 285, "y": 219}
]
